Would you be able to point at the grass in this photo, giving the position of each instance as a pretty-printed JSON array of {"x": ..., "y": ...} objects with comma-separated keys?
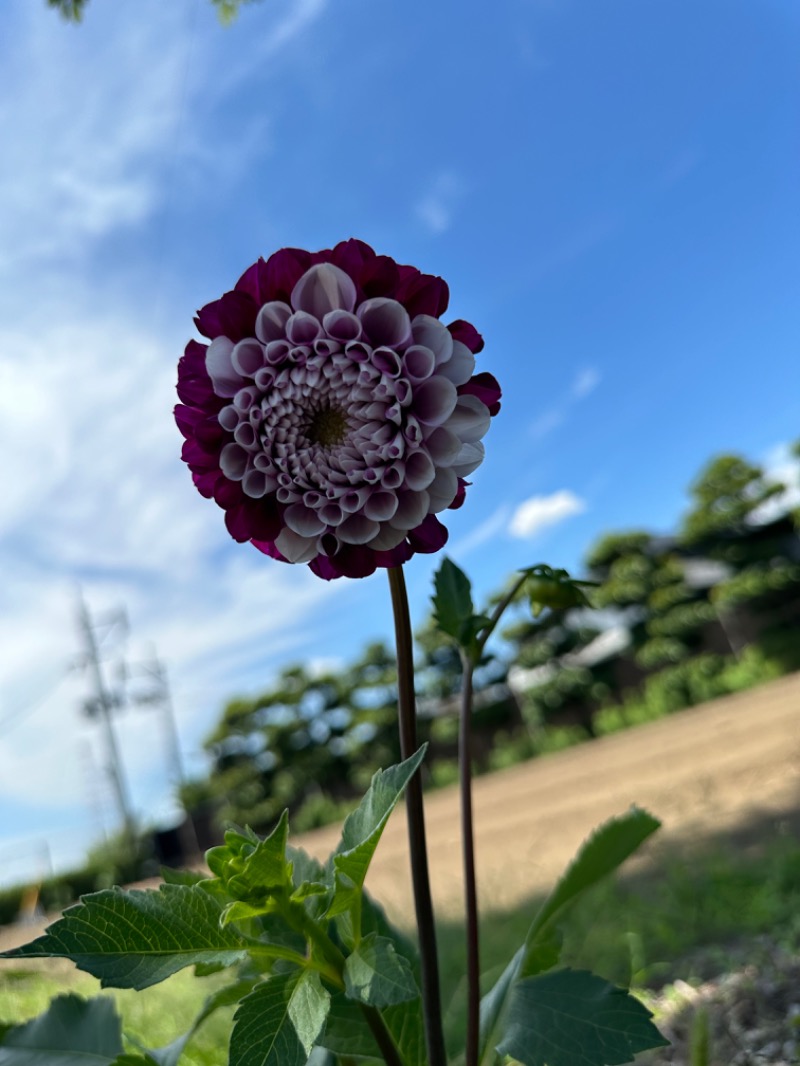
[{"x": 679, "y": 917}]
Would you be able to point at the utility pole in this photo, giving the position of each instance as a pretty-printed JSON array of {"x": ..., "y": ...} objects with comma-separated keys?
[{"x": 102, "y": 704}]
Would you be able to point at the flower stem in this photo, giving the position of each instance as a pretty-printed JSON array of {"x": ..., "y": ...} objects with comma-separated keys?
[
  {"x": 429, "y": 961},
  {"x": 383, "y": 1038},
  {"x": 468, "y": 845}
]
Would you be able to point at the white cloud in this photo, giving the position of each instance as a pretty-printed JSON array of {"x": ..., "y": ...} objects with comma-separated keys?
[
  {"x": 436, "y": 207},
  {"x": 541, "y": 512},
  {"x": 586, "y": 381},
  {"x": 481, "y": 534}
]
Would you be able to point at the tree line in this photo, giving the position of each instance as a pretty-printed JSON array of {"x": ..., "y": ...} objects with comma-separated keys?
[{"x": 712, "y": 607}]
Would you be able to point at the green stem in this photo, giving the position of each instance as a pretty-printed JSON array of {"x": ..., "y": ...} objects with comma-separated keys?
[
  {"x": 423, "y": 904},
  {"x": 383, "y": 1038},
  {"x": 468, "y": 845}
]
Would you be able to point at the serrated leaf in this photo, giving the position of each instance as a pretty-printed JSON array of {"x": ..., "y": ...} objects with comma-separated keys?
[
  {"x": 452, "y": 599},
  {"x": 375, "y": 974},
  {"x": 347, "y": 1034},
  {"x": 263, "y": 1032},
  {"x": 606, "y": 849},
  {"x": 266, "y": 867},
  {"x": 181, "y": 877},
  {"x": 309, "y": 1005},
  {"x": 133, "y": 939},
  {"x": 363, "y": 828},
  {"x": 71, "y": 1032},
  {"x": 574, "y": 1018}
]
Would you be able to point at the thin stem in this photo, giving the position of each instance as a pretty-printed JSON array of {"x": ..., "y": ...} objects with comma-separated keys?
[
  {"x": 468, "y": 845},
  {"x": 383, "y": 1038},
  {"x": 423, "y": 904},
  {"x": 498, "y": 611}
]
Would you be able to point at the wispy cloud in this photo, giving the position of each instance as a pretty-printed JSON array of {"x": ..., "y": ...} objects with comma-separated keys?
[
  {"x": 437, "y": 205},
  {"x": 482, "y": 533},
  {"x": 583, "y": 384},
  {"x": 541, "y": 512}
]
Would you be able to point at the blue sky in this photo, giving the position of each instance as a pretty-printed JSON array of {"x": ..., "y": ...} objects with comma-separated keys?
[{"x": 609, "y": 189}]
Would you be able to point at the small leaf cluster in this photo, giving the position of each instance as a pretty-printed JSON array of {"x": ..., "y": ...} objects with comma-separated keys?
[{"x": 315, "y": 961}]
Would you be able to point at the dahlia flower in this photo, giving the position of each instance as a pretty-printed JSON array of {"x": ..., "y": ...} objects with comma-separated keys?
[{"x": 332, "y": 415}]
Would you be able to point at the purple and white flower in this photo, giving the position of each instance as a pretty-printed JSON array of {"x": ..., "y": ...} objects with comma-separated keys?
[{"x": 333, "y": 415}]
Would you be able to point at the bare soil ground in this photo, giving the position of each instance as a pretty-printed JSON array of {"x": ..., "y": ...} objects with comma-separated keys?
[{"x": 704, "y": 772}]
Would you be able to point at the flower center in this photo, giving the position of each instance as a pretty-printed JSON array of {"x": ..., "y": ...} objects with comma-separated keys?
[{"x": 328, "y": 426}]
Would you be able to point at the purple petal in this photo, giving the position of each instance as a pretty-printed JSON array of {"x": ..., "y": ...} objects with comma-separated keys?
[
  {"x": 421, "y": 294},
  {"x": 429, "y": 536},
  {"x": 385, "y": 321},
  {"x": 467, "y": 334},
  {"x": 233, "y": 316},
  {"x": 486, "y": 388}
]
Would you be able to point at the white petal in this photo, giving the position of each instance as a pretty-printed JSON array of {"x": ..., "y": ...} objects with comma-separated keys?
[
  {"x": 387, "y": 539},
  {"x": 324, "y": 288},
  {"x": 442, "y": 490},
  {"x": 224, "y": 379},
  {"x": 233, "y": 462},
  {"x": 228, "y": 418},
  {"x": 342, "y": 326},
  {"x": 381, "y": 506},
  {"x": 247, "y": 357},
  {"x": 303, "y": 520},
  {"x": 470, "y": 420},
  {"x": 303, "y": 328},
  {"x": 255, "y": 483},
  {"x": 385, "y": 321},
  {"x": 468, "y": 459},
  {"x": 434, "y": 400},
  {"x": 430, "y": 332},
  {"x": 419, "y": 362},
  {"x": 460, "y": 367},
  {"x": 411, "y": 509},
  {"x": 420, "y": 470},
  {"x": 295, "y": 548},
  {"x": 357, "y": 529},
  {"x": 443, "y": 446},
  {"x": 271, "y": 321}
]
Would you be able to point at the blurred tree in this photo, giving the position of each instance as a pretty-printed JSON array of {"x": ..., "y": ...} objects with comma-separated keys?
[{"x": 73, "y": 10}]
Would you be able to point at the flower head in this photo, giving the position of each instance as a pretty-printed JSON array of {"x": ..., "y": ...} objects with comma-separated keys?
[{"x": 332, "y": 415}]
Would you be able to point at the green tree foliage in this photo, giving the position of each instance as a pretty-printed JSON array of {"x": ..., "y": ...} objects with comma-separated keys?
[{"x": 73, "y": 10}]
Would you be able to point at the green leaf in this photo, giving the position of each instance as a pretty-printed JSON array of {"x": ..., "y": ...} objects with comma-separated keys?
[
  {"x": 266, "y": 867},
  {"x": 309, "y": 1004},
  {"x": 181, "y": 877},
  {"x": 375, "y": 974},
  {"x": 603, "y": 852},
  {"x": 363, "y": 828},
  {"x": 347, "y": 1034},
  {"x": 137, "y": 938},
  {"x": 606, "y": 849},
  {"x": 263, "y": 1031},
  {"x": 573, "y": 1018},
  {"x": 71, "y": 1032},
  {"x": 452, "y": 599}
]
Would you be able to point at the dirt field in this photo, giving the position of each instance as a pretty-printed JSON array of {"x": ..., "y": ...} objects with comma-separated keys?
[{"x": 703, "y": 771}]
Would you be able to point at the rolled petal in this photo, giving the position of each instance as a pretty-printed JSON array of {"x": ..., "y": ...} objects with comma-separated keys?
[
  {"x": 294, "y": 548},
  {"x": 470, "y": 420},
  {"x": 342, "y": 326},
  {"x": 469, "y": 458},
  {"x": 229, "y": 418},
  {"x": 460, "y": 366},
  {"x": 233, "y": 461},
  {"x": 442, "y": 490},
  {"x": 387, "y": 539},
  {"x": 324, "y": 288},
  {"x": 225, "y": 380},
  {"x": 303, "y": 328},
  {"x": 271, "y": 321},
  {"x": 303, "y": 520},
  {"x": 430, "y": 332},
  {"x": 247, "y": 358},
  {"x": 357, "y": 529},
  {"x": 434, "y": 400},
  {"x": 419, "y": 362},
  {"x": 381, "y": 506},
  {"x": 443, "y": 446},
  {"x": 411, "y": 510},
  {"x": 420, "y": 470},
  {"x": 385, "y": 321}
]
